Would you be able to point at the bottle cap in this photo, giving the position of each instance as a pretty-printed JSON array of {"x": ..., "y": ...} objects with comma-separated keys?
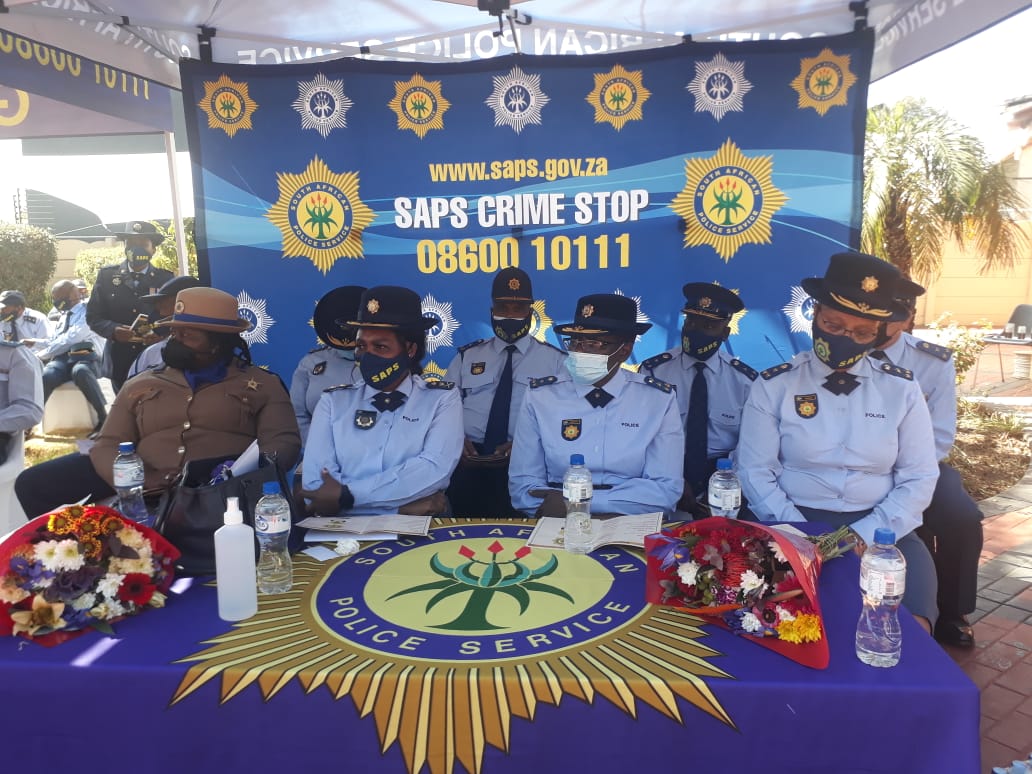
[
  {"x": 576, "y": 459},
  {"x": 270, "y": 487},
  {"x": 884, "y": 537},
  {"x": 126, "y": 447},
  {"x": 724, "y": 464},
  {"x": 233, "y": 514}
]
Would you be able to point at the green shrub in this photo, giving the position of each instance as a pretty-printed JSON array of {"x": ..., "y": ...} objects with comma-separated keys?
[
  {"x": 167, "y": 256},
  {"x": 90, "y": 261},
  {"x": 967, "y": 343},
  {"x": 28, "y": 257}
]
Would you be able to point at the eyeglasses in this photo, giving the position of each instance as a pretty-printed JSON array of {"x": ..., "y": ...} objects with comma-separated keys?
[
  {"x": 862, "y": 336},
  {"x": 590, "y": 346},
  {"x": 694, "y": 322}
]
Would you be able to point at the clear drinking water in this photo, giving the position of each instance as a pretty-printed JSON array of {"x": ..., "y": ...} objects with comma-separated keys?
[
  {"x": 577, "y": 491},
  {"x": 272, "y": 527},
  {"x": 725, "y": 491},
  {"x": 883, "y": 573},
  {"x": 127, "y": 473}
]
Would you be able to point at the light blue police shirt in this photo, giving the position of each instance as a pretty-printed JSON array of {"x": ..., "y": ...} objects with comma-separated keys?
[{"x": 320, "y": 369}]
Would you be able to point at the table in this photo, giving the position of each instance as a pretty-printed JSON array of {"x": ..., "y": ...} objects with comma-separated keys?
[{"x": 366, "y": 667}]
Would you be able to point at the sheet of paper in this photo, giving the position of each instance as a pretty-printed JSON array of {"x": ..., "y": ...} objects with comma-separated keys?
[
  {"x": 619, "y": 530},
  {"x": 361, "y": 525},
  {"x": 326, "y": 536},
  {"x": 321, "y": 553},
  {"x": 247, "y": 461}
]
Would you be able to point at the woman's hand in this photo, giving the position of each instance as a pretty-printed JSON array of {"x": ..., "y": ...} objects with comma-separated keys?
[{"x": 325, "y": 499}]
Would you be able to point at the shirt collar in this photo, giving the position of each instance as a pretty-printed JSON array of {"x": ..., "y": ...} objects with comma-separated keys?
[
  {"x": 614, "y": 386},
  {"x": 522, "y": 344},
  {"x": 895, "y": 352}
]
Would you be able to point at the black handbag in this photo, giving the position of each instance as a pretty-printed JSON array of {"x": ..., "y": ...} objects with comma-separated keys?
[{"x": 194, "y": 508}]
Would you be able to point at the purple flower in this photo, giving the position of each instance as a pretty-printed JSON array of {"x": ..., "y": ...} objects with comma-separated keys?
[
  {"x": 70, "y": 584},
  {"x": 31, "y": 570},
  {"x": 668, "y": 550}
]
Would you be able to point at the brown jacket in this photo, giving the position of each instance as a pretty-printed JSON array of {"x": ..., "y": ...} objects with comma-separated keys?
[{"x": 170, "y": 423}]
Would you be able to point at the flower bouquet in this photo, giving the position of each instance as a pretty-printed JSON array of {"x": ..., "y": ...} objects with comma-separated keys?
[
  {"x": 80, "y": 567},
  {"x": 752, "y": 579}
]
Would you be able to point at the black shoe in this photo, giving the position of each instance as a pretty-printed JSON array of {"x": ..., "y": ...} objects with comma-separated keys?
[{"x": 955, "y": 631}]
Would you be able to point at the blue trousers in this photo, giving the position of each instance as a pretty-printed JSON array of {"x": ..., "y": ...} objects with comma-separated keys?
[
  {"x": 63, "y": 369},
  {"x": 955, "y": 524},
  {"x": 59, "y": 481}
]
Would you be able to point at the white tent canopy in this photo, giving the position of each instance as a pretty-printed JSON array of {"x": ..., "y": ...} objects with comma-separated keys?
[{"x": 147, "y": 37}]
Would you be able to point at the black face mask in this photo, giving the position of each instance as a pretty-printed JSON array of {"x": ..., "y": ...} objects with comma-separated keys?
[
  {"x": 701, "y": 346},
  {"x": 62, "y": 305},
  {"x": 511, "y": 330},
  {"x": 838, "y": 351},
  {"x": 138, "y": 257},
  {"x": 162, "y": 330},
  {"x": 177, "y": 355}
]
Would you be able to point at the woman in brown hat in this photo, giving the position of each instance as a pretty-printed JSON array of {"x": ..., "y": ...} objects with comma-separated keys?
[{"x": 208, "y": 401}]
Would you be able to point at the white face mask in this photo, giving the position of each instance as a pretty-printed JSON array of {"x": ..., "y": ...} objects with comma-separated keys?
[{"x": 586, "y": 368}]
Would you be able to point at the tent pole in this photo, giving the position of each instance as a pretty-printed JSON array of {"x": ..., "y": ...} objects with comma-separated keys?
[{"x": 177, "y": 215}]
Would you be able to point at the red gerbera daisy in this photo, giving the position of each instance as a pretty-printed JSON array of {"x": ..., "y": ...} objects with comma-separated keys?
[{"x": 137, "y": 588}]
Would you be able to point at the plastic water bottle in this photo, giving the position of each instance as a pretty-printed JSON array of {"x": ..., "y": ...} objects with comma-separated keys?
[
  {"x": 127, "y": 473},
  {"x": 577, "y": 490},
  {"x": 725, "y": 491},
  {"x": 234, "y": 566},
  {"x": 272, "y": 525},
  {"x": 883, "y": 576}
]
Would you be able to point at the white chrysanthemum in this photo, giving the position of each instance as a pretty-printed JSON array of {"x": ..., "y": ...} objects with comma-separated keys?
[
  {"x": 751, "y": 582},
  {"x": 776, "y": 550},
  {"x": 688, "y": 572},
  {"x": 46, "y": 552},
  {"x": 109, "y": 585},
  {"x": 10, "y": 592},
  {"x": 130, "y": 537},
  {"x": 84, "y": 602},
  {"x": 784, "y": 614},
  {"x": 126, "y": 566},
  {"x": 751, "y": 623}
]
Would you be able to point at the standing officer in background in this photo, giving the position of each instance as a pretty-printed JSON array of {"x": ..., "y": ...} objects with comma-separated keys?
[
  {"x": 20, "y": 324},
  {"x": 625, "y": 424},
  {"x": 334, "y": 362},
  {"x": 161, "y": 306},
  {"x": 21, "y": 393},
  {"x": 492, "y": 376},
  {"x": 952, "y": 517},
  {"x": 831, "y": 436},
  {"x": 115, "y": 301},
  {"x": 711, "y": 385}
]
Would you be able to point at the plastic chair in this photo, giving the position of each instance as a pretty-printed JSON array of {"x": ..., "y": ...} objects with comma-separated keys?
[{"x": 67, "y": 409}]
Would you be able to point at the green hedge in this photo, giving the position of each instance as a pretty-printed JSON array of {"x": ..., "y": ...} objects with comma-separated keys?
[
  {"x": 89, "y": 262},
  {"x": 28, "y": 257}
]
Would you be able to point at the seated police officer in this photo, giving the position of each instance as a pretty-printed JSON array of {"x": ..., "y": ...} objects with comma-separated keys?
[
  {"x": 21, "y": 324},
  {"x": 74, "y": 352},
  {"x": 834, "y": 437},
  {"x": 625, "y": 424},
  {"x": 391, "y": 444},
  {"x": 711, "y": 385},
  {"x": 334, "y": 362},
  {"x": 21, "y": 393},
  {"x": 492, "y": 376},
  {"x": 952, "y": 518},
  {"x": 161, "y": 306}
]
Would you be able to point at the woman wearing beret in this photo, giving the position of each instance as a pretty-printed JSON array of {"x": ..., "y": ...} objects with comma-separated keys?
[{"x": 390, "y": 444}]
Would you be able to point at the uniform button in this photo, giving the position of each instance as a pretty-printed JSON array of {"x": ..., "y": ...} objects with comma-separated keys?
[
  {"x": 182, "y": 450},
  {"x": 189, "y": 398},
  {"x": 186, "y": 425}
]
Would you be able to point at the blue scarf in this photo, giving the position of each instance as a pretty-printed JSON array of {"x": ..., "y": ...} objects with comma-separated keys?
[{"x": 213, "y": 374}]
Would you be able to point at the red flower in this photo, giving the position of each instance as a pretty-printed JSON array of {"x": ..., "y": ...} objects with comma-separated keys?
[
  {"x": 137, "y": 588},
  {"x": 6, "y": 622}
]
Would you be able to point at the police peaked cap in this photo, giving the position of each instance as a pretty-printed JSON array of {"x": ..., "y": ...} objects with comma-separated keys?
[
  {"x": 859, "y": 284},
  {"x": 709, "y": 300},
  {"x": 605, "y": 313},
  {"x": 141, "y": 228},
  {"x": 512, "y": 284},
  {"x": 390, "y": 306},
  {"x": 332, "y": 314},
  {"x": 171, "y": 288}
]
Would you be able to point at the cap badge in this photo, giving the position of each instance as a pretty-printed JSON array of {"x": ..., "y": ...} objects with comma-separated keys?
[
  {"x": 587, "y": 311},
  {"x": 373, "y": 306},
  {"x": 514, "y": 284},
  {"x": 869, "y": 285},
  {"x": 705, "y": 303},
  {"x": 137, "y": 228},
  {"x": 180, "y": 306}
]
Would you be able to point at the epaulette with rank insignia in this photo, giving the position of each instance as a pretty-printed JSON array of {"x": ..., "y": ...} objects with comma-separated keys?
[
  {"x": 659, "y": 384},
  {"x": 317, "y": 349},
  {"x": 896, "y": 370},
  {"x": 744, "y": 368},
  {"x": 655, "y": 360},
  {"x": 336, "y": 387},
  {"x": 438, "y": 384},
  {"x": 936, "y": 350},
  {"x": 29, "y": 318},
  {"x": 472, "y": 344},
  {"x": 535, "y": 383},
  {"x": 777, "y": 370}
]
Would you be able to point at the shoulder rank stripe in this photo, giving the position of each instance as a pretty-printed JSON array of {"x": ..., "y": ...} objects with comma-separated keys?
[
  {"x": 472, "y": 344},
  {"x": 535, "y": 383},
  {"x": 317, "y": 349},
  {"x": 438, "y": 384},
  {"x": 29, "y": 318},
  {"x": 659, "y": 384},
  {"x": 777, "y": 370},
  {"x": 936, "y": 350},
  {"x": 336, "y": 387},
  {"x": 655, "y": 360},
  {"x": 743, "y": 368},
  {"x": 895, "y": 370}
]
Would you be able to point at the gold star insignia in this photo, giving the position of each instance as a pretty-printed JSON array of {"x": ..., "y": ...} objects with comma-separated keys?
[
  {"x": 373, "y": 306},
  {"x": 587, "y": 311},
  {"x": 514, "y": 284},
  {"x": 252, "y": 384},
  {"x": 869, "y": 285}
]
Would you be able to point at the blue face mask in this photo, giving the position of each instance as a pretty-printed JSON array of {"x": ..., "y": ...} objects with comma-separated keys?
[
  {"x": 839, "y": 352},
  {"x": 511, "y": 330},
  {"x": 379, "y": 371},
  {"x": 586, "y": 368},
  {"x": 347, "y": 354},
  {"x": 699, "y": 345}
]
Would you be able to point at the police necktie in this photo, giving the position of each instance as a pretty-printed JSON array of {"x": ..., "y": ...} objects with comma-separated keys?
[
  {"x": 497, "y": 431},
  {"x": 841, "y": 383},
  {"x": 14, "y": 330},
  {"x": 598, "y": 398},
  {"x": 696, "y": 461},
  {"x": 389, "y": 401},
  {"x": 67, "y": 321}
]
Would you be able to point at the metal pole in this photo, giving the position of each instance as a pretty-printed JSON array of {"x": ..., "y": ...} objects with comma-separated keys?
[{"x": 177, "y": 215}]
